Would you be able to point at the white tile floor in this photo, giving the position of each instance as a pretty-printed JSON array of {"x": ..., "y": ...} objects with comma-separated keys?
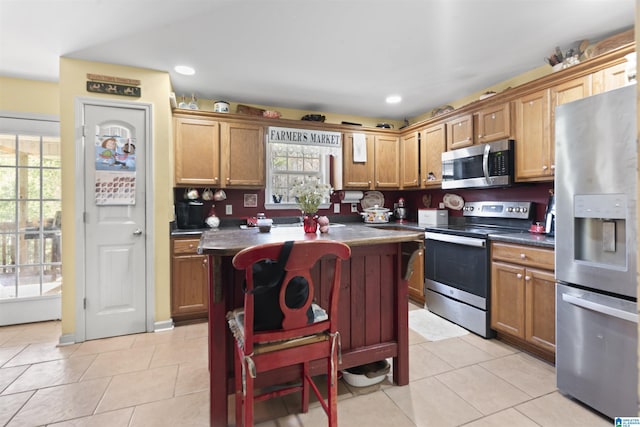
[{"x": 161, "y": 379}]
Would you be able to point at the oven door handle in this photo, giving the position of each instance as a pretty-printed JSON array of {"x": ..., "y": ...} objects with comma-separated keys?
[
  {"x": 460, "y": 240},
  {"x": 485, "y": 162}
]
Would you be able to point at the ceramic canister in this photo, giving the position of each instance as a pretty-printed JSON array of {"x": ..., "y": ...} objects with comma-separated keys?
[{"x": 221, "y": 107}]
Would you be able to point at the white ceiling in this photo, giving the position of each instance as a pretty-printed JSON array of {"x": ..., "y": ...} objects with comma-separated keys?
[{"x": 341, "y": 56}]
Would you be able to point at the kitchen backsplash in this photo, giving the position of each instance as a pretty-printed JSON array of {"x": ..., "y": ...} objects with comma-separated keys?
[{"x": 414, "y": 199}]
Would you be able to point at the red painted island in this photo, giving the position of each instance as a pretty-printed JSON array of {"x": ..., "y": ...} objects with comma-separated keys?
[{"x": 373, "y": 313}]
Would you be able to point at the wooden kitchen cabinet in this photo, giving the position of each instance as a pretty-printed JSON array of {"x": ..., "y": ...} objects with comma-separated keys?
[
  {"x": 387, "y": 161},
  {"x": 534, "y": 154},
  {"x": 416, "y": 281},
  {"x": 189, "y": 281},
  {"x": 460, "y": 132},
  {"x": 523, "y": 296},
  {"x": 197, "y": 152},
  {"x": 494, "y": 123},
  {"x": 610, "y": 78},
  {"x": 432, "y": 144},
  {"x": 410, "y": 166},
  {"x": 382, "y": 168},
  {"x": 242, "y": 155},
  {"x": 357, "y": 174}
]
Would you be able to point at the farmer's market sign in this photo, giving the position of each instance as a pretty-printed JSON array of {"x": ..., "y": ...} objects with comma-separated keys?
[{"x": 304, "y": 137}]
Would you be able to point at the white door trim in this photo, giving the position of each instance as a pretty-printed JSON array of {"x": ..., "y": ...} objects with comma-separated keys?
[{"x": 79, "y": 256}]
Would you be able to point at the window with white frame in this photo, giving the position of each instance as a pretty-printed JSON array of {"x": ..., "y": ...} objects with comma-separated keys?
[{"x": 294, "y": 155}]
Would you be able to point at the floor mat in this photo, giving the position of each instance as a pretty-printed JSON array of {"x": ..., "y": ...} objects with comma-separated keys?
[{"x": 433, "y": 327}]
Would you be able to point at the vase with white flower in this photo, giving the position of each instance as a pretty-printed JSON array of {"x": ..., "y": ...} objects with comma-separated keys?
[{"x": 309, "y": 193}]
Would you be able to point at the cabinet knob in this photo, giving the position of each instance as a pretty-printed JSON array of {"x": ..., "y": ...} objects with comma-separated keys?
[
  {"x": 215, "y": 178},
  {"x": 369, "y": 182},
  {"x": 545, "y": 167},
  {"x": 527, "y": 278},
  {"x": 468, "y": 138},
  {"x": 523, "y": 256},
  {"x": 205, "y": 261},
  {"x": 228, "y": 180},
  {"x": 519, "y": 276},
  {"x": 479, "y": 135},
  {"x": 415, "y": 181},
  {"x": 553, "y": 167}
]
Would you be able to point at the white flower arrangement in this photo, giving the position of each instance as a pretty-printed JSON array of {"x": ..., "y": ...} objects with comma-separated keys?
[{"x": 309, "y": 193}]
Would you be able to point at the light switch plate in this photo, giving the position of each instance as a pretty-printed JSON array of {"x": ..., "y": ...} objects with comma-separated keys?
[
  {"x": 228, "y": 209},
  {"x": 354, "y": 207},
  {"x": 336, "y": 208}
]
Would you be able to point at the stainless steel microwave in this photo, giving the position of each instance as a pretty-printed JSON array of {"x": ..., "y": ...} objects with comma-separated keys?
[{"x": 483, "y": 165}]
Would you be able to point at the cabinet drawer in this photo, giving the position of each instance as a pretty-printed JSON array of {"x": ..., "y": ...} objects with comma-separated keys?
[
  {"x": 523, "y": 255},
  {"x": 185, "y": 246}
]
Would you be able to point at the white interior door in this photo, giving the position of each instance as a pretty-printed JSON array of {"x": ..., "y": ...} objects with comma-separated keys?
[{"x": 115, "y": 282}]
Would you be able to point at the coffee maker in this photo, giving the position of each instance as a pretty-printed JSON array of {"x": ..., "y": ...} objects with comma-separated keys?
[
  {"x": 550, "y": 215},
  {"x": 190, "y": 215}
]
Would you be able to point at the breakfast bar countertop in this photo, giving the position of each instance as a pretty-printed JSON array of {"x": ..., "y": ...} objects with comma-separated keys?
[{"x": 229, "y": 241}]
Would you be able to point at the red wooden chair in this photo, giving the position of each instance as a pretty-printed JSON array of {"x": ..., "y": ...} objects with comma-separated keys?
[{"x": 298, "y": 342}]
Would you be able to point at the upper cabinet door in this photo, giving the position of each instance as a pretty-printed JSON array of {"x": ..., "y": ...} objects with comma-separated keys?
[
  {"x": 494, "y": 123},
  {"x": 610, "y": 78},
  {"x": 243, "y": 156},
  {"x": 533, "y": 137},
  {"x": 197, "y": 152},
  {"x": 357, "y": 174},
  {"x": 460, "y": 132},
  {"x": 432, "y": 145},
  {"x": 387, "y": 161},
  {"x": 409, "y": 169}
]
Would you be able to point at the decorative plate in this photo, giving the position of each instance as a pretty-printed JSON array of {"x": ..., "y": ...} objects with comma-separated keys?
[
  {"x": 371, "y": 199},
  {"x": 453, "y": 201}
]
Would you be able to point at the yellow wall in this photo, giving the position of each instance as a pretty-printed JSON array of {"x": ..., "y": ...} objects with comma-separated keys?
[
  {"x": 155, "y": 87},
  {"x": 511, "y": 83},
  {"x": 29, "y": 96}
]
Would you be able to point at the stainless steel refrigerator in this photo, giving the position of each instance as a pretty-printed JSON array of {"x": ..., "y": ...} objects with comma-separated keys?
[{"x": 596, "y": 248}]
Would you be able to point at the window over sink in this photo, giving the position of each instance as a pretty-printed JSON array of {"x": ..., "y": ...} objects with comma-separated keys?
[{"x": 297, "y": 154}]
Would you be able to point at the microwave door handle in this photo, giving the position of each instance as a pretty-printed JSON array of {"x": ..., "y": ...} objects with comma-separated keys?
[{"x": 485, "y": 162}]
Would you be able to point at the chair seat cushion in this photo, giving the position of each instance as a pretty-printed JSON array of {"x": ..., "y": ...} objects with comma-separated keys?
[{"x": 235, "y": 319}]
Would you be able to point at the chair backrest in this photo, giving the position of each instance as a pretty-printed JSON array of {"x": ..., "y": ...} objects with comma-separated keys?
[{"x": 302, "y": 258}]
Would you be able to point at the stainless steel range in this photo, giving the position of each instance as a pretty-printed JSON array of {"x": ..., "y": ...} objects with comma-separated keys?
[{"x": 457, "y": 261}]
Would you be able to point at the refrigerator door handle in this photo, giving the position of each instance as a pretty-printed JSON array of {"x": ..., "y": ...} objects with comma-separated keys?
[{"x": 604, "y": 309}]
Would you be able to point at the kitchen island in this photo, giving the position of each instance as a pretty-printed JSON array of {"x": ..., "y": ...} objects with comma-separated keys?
[{"x": 373, "y": 313}]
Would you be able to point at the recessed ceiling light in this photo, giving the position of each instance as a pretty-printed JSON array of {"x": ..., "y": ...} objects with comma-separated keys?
[
  {"x": 393, "y": 99},
  {"x": 184, "y": 69}
]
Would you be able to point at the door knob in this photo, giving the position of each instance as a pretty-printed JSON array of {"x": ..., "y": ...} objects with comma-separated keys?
[{"x": 137, "y": 232}]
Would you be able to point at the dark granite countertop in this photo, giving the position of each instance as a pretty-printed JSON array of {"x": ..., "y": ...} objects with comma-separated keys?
[
  {"x": 525, "y": 238},
  {"x": 229, "y": 241}
]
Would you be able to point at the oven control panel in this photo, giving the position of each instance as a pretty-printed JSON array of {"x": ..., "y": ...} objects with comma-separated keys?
[{"x": 516, "y": 210}]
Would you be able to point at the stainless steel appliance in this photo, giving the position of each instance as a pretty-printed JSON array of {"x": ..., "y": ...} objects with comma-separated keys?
[
  {"x": 483, "y": 165},
  {"x": 550, "y": 216},
  {"x": 457, "y": 269},
  {"x": 596, "y": 249}
]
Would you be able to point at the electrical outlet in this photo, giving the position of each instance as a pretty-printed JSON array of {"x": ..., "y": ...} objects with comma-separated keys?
[
  {"x": 354, "y": 207},
  {"x": 228, "y": 209},
  {"x": 336, "y": 208}
]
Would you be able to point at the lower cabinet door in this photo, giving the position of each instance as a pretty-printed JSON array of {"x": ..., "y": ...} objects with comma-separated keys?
[
  {"x": 540, "y": 289},
  {"x": 508, "y": 299},
  {"x": 189, "y": 284}
]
